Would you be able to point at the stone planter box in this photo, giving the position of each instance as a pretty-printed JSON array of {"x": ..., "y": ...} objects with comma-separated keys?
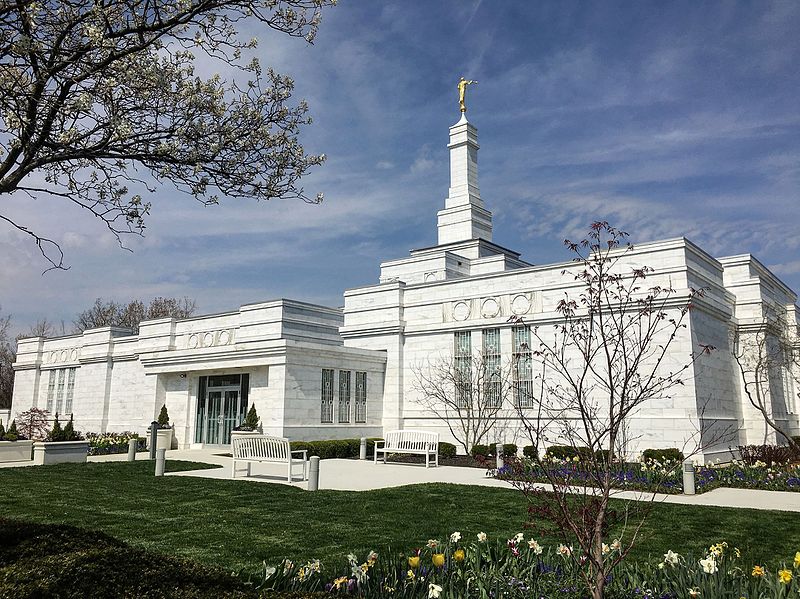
[
  {"x": 15, "y": 451},
  {"x": 164, "y": 438},
  {"x": 59, "y": 452},
  {"x": 239, "y": 434}
]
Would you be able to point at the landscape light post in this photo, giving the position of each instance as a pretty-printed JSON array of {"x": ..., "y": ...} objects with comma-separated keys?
[
  {"x": 153, "y": 439},
  {"x": 688, "y": 477},
  {"x": 132, "y": 449},
  {"x": 161, "y": 458},
  {"x": 313, "y": 473}
]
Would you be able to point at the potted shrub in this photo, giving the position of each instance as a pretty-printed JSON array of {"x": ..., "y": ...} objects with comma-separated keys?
[
  {"x": 164, "y": 433},
  {"x": 250, "y": 425},
  {"x": 62, "y": 445},
  {"x": 14, "y": 447}
]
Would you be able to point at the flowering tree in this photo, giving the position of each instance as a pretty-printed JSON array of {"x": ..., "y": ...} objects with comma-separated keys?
[
  {"x": 34, "y": 423},
  {"x": 603, "y": 359},
  {"x": 99, "y": 97},
  {"x": 469, "y": 393}
]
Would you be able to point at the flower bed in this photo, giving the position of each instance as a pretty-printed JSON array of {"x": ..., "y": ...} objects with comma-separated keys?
[
  {"x": 521, "y": 567},
  {"x": 659, "y": 477},
  {"x": 108, "y": 443}
]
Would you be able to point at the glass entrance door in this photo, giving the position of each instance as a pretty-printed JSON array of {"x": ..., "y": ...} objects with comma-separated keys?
[{"x": 221, "y": 406}]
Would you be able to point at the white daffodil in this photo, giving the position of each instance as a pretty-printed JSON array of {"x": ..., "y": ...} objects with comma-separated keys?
[
  {"x": 709, "y": 565},
  {"x": 455, "y": 537},
  {"x": 481, "y": 537},
  {"x": 535, "y": 547},
  {"x": 671, "y": 558},
  {"x": 434, "y": 590}
]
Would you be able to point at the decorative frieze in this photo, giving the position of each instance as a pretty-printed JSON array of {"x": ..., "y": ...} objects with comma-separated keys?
[
  {"x": 62, "y": 356},
  {"x": 210, "y": 339},
  {"x": 491, "y": 307}
]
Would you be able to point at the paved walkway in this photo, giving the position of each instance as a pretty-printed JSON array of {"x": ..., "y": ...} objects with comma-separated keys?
[{"x": 355, "y": 475}]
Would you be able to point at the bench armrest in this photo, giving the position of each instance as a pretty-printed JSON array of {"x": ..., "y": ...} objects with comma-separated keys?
[
  {"x": 380, "y": 442},
  {"x": 303, "y": 451}
]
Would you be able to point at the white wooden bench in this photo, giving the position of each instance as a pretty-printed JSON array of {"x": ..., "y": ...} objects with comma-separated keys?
[
  {"x": 263, "y": 448},
  {"x": 413, "y": 442}
]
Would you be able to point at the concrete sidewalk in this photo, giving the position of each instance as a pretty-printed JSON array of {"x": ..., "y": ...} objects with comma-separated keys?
[{"x": 355, "y": 475}]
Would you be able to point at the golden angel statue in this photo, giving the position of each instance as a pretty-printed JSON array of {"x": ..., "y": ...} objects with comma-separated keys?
[{"x": 462, "y": 90}]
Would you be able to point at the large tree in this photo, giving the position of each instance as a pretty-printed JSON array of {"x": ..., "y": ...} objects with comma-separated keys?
[
  {"x": 7, "y": 357},
  {"x": 129, "y": 315},
  {"x": 100, "y": 103}
]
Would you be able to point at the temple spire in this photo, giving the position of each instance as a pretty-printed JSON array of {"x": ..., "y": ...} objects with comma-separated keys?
[{"x": 464, "y": 216}]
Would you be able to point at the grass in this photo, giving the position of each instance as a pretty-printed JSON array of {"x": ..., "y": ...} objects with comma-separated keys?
[{"x": 238, "y": 524}]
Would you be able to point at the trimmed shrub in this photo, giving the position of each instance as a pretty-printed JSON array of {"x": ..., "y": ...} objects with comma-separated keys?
[
  {"x": 510, "y": 449},
  {"x": 567, "y": 452},
  {"x": 12, "y": 434},
  {"x": 336, "y": 448},
  {"x": 163, "y": 417},
  {"x": 447, "y": 450},
  {"x": 671, "y": 454},
  {"x": 769, "y": 454},
  {"x": 480, "y": 450},
  {"x": 529, "y": 451}
]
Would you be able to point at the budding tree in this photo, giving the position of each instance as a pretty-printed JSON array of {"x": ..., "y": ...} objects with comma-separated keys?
[
  {"x": 100, "y": 103},
  {"x": 608, "y": 353}
]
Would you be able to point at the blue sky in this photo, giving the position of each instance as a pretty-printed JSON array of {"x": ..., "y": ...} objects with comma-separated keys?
[{"x": 666, "y": 119}]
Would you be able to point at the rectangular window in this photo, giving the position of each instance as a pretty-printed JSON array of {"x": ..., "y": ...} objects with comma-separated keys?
[
  {"x": 523, "y": 367},
  {"x": 51, "y": 390},
  {"x": 70, "y": 390},
  {"x": 491, "y": 362},
  {"x": 462, "y": 368},
  {"x": 327, "y": 395},
  {"x": 344, "y": 396},
  {"x": 60, "y": 390},
  {"x": 361, "y": 397}
]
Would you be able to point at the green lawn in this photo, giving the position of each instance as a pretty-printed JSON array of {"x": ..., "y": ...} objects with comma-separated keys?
[{"x": 237, "y": 524}]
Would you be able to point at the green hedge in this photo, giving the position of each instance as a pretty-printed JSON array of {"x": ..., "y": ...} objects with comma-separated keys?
[
  {"x": 447, "y": 450},
  {"x": 566, "y": 452},
  {"x": 529, "y": 451},
  {"x": 671, "y": 454},
  {"x": 336, "y": 448},
  {"x": 351, "y": 448}
]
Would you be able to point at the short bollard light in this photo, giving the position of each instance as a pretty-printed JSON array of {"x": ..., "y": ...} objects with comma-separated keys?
[
  {"x": 153, "y": 439},
  {"x": 688, "y": 477},
  {"x": 498, "y": 452},
  {"x": 132, "y": 449},
  {"x": 362, "y": 452},
  {"x": 313, "y": 473},
  {"x": 161, "y": 458}
]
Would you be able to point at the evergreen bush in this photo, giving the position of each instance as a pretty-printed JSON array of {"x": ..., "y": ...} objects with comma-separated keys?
[
  {"x": 251, "y": 420},
  {"x": 56, "y": 433},
  {"x": 567, "y": 452},
  {"x": 510, "y": 449},
  {"x": 12, "y": 434},
  {"x": 529, "y": 451},
  {"x": 2, "y": 431},
  {"x": 480, "y": 450},
  {"x": 163, "y": 418},
  {"x": 447, "y": 450},
  {"x": 671, "y": 454}
]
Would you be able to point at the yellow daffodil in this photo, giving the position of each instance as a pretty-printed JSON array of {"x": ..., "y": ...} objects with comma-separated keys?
[
  {"x": 340, "y": 581},
  {"x": 410, "y": 574},
  {"x": 458, "y": 555},
  {"x": 785, "y": 576},
  {"x": 413, "y": 562},
  {"x": 438, "y": 559},
  {"x": 758, "y": 571},
  {"x": 797, "y": 560}
]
